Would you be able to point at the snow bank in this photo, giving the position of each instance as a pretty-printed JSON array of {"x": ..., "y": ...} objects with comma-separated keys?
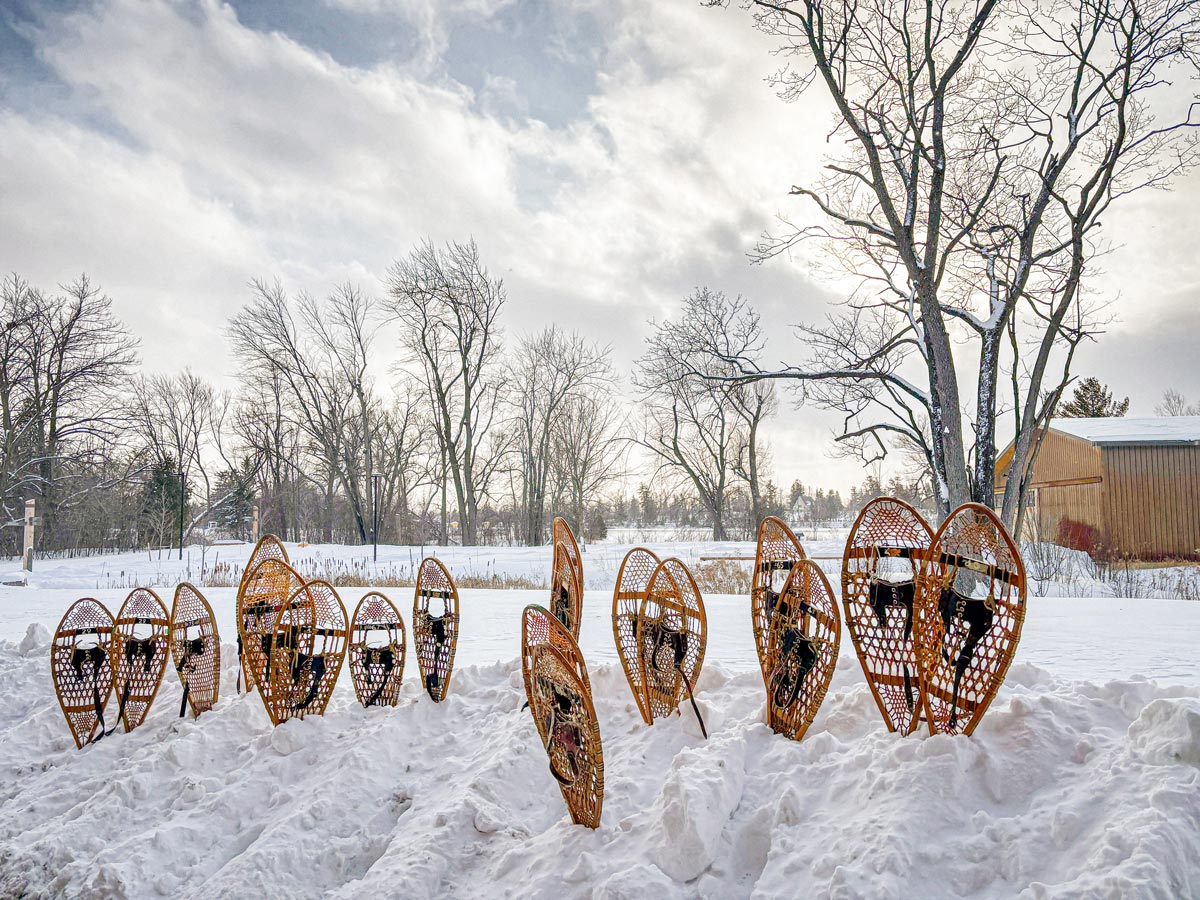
[{"x": 1067, "y": 789}]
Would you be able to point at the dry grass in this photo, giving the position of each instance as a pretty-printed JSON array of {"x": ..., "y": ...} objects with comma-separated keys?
[
  {"x": 723, "y": 576},
  {"x": 341, "y": 573}
]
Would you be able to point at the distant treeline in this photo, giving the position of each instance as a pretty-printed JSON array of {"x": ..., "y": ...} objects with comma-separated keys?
[{"x": 467, "y": 441}]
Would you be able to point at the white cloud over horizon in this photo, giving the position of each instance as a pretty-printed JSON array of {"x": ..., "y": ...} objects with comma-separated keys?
[{"x": 174, "y": 152}]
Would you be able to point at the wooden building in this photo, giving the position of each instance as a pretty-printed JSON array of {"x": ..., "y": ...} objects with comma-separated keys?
[{"x": 1126, "y": 486}]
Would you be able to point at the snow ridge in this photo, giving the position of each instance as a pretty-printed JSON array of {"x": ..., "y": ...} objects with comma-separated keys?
[{"x": 1068, "y": 789}]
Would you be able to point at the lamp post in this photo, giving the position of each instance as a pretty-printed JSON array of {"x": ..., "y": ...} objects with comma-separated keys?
[
  {"x": 375, "y": 479},
  {"x": 182, "y": 494}
]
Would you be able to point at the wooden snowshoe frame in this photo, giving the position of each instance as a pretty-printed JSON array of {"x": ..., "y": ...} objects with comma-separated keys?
[
  {"x": 307, "y": 647},
  {"x": 435, "y": 657},
  {"x": 880, "y": 567},
  {"x": 637, "y": 568},
  {"x": 778, "y": 551},
  {"x": 802, "y": 649},
  {"x": 81, "y": 666},
  {"x": 671, "y": 611},
  {"x": 141, "y": 645},
  {"x": 971, "y": 596},
  {"x": 263, "y": 595},
  {"x": 268, "y": 547},
  {"x": 377, "y": 666},
  {"x": 566, "y": 578},
  {"x": 560, "y": 700},
  {"x": 196, "y": 648}
]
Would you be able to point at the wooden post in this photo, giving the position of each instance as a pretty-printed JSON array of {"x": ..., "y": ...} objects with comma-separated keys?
[
  {"x": 254, "y": 527},
  {"x": 27, "y": 555}
]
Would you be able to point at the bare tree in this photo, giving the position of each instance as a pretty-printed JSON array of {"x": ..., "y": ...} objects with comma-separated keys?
[
  {"x": 690, "y": 427},
  {"x": 317, "y": 352},
  {"x": 729, "y": 323},
  {"x": 66, "y": 358},
  {"x": 549, "y": 371},
  {"x": 18, "y": 467},
  {"x": 275, "y": 447},
  {"x": 448, "y": 307},
  {"x": 978, "y": 145},
  {"x": 731, "y": 329},
  {"x": 589, "y": 448},
  {"x": 183, "y": 418},
  {"x": 1176, "y": 404},
  {"x": 400, "y": 462}
]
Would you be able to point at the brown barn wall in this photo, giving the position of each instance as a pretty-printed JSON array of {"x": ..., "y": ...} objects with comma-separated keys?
[
  {"x": 1080, "y": 503},
  {"x": 1063, "y": 456},
  {"x": 1152, "y": 499},
  {"x": 1066, "y": 456}
]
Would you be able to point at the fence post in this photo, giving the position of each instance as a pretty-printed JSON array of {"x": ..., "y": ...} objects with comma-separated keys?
[
  {"x": 254, "y": 528},
  {"x": 27, "y": 554}
]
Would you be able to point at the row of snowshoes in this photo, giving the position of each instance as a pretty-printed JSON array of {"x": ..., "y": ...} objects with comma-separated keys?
[
  {"x": 293, "y": 636},
  {"x": 934, "y": 617},
  {"x": 292, "y": 641},
  {"x": 95, "y": 658}
]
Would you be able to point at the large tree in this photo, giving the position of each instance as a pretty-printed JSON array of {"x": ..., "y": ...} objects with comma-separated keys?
[
  {"x": 448, "y": 307},
  {"x": 730, "y": 326},
  {"x": 315, "y": 354},
  {"x": 182, "y": 418},
  {"x": 700, "y": 420},
  {"x": 550, "y": 371},
  {"x": 976, "y": 148},
  {"x": 65, "y": 359}
]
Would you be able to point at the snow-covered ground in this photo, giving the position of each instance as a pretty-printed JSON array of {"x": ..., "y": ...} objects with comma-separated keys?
[
  {"x": 1082, "y": 781},
  {"x": 164, "y": 568}
]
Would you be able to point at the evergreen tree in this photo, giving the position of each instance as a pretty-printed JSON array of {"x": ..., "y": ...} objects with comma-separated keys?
[
  {"x": 236, "y": 490},
  {"x": 159, "y": 518},
  {"x": 649, "y": 507},
  {"x": 1093, "y": 400}
]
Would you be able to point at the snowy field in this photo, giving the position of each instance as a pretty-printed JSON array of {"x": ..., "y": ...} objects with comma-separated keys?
[
  {"x": 163, "y": 568},
  {"x": 1082, "y": 781}
]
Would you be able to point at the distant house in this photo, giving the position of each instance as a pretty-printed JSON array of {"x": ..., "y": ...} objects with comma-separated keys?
[{"x": 1126, "y": 486}]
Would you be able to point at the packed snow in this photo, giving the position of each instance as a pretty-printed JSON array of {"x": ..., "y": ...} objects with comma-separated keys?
[
  {"x": 1082, "y": 781},
  {"x": 1122, "y": 430}
]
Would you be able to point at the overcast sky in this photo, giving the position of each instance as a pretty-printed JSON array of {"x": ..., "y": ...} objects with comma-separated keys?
[{"x": 607, "y": 157}]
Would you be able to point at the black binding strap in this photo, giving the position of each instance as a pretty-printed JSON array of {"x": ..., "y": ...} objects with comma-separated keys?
[
  {"x": 563, "y": 733},
  {"x": 316, "y": 666},
  {"x": 380, "y": 656},
  {"x": 800, "y": 650},
  {"x": 96, "y": 656},
  {"x": 145, "y": 648},
  {"x": 696, "y": 709},
  {"x": 437, "y": 631},
  {"x": 192, "y": 647},
  {"x": 678, "y": 641},
  {"x": 977, "y": 614},
  {"x": 121, "y": 707}
]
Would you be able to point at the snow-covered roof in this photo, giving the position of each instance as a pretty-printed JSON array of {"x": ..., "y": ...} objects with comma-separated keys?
[{"x": 1157, "y": 430}]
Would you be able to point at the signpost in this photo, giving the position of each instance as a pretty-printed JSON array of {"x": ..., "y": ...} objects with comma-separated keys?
[{"x": 30, "y": 523}]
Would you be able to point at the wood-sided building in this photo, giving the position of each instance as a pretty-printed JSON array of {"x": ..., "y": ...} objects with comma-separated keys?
[{"x": 1130, "y": 487}]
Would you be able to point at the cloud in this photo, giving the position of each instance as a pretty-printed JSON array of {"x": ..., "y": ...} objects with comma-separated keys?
[{"x": 637, "y": 154}]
